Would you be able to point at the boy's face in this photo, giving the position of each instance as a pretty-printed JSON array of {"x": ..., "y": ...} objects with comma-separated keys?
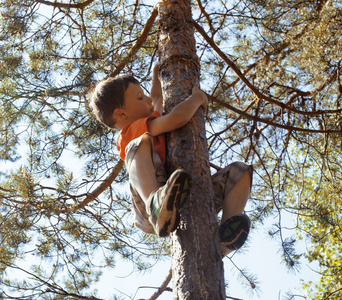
[{"x": 136, "y": 105}]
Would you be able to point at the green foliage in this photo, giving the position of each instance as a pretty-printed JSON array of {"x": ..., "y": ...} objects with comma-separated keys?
[
  {"x": 319, "y": 204},
  {"x": 54, "y": 153}
]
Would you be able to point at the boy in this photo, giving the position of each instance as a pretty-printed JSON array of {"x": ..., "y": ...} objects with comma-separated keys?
[{"x": 121, "y": 103}]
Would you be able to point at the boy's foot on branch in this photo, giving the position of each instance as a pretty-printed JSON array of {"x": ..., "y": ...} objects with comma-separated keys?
[
  {"x": 233, "y": 233},
  {"x": 167, "y": 201}
]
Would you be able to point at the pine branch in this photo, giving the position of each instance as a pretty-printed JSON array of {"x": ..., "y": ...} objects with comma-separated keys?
[
  {"x": 81, "y": 5},
  {"x": 199, "y": 3},
  {"x": 135, "y": 48},
  {"x": 141, "y": 40},
  {"x": 255, "y": 118},
  {"x": 162, "y": 287},
  {"x": 51, "y": 288},
  {"x": 254, "y": 89},
  {"x": 92, "y": 195}
]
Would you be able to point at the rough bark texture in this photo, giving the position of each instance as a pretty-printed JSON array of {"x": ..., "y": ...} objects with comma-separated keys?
[{"x": 197, "y": 267}]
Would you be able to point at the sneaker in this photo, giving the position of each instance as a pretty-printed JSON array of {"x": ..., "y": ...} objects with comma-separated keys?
[
  {"x": 167, "y": 201},
  {"x": 233, "y": 233}
]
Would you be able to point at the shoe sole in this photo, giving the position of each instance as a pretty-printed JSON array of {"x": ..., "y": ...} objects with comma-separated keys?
[
  {"x": 180, "y": 189},
  {"x": 234, "y": 232}
]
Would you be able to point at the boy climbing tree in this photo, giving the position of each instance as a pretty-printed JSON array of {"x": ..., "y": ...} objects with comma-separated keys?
[
  {"x": 121, "y": 103},
  {"x": 157, "y": 198}
]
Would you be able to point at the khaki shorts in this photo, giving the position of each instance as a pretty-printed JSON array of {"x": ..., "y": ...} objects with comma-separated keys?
[{"x": 223, "y": 181}]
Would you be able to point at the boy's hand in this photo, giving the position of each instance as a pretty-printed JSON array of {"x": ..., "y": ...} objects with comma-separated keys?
[
  {"x": 156, "y": 69},
  {"x": 180, "y": 114},
  {"x": 197, "y": 92},
  {"x": 156, "y": 90}
]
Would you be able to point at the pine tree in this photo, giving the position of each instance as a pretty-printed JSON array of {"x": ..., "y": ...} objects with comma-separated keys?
[{"x": 196, "y": 260}]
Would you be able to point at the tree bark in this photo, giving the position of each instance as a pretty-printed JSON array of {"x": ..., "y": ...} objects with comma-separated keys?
[{"x": 197, "y": 267}]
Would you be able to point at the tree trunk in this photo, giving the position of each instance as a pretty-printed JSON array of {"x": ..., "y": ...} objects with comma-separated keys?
[{"x": 197, "y": 267}]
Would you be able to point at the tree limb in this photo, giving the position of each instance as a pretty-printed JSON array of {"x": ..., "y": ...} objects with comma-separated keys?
[
  {"x": 92, "y": 195},
  {"x": 250, "y": 85},
  {"x": 254, "y": 118},
  {"x": 162, "y": 287},
  {"x": 52, "y": 288},
  {"x": 81, "y": 5},
  {"x": 141, "y": 40},
  {"x": 199, "y": 3}
]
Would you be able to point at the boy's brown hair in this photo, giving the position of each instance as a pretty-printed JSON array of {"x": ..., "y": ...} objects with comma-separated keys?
[{"x": 108, "y": 95}]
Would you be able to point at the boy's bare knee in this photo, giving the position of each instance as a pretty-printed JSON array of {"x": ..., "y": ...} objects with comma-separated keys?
[
  {"x": 246, "y": 176},
  {"x": 145, "y": 141},
  {"x": 145, "y": 144},
  {"x": 146, "y": 138}
]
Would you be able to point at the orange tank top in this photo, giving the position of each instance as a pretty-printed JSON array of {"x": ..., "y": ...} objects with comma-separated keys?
[{"x": 136, "y": 129}]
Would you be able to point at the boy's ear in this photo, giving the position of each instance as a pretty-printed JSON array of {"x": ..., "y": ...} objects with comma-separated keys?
[{"x": 119, "y": 114}]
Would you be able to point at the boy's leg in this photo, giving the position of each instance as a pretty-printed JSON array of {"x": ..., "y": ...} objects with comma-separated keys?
[
  {"x": 141, "y": 170},
  {"x": 235, "y": 201},
  {"x": 232, "y": 187},
  {"x": 162, "y": 203}
]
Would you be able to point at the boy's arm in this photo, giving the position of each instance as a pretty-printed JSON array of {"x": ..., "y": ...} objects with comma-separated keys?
[
  {"x": 180, "y": 114},
  {"x": 156, "y": 91}
]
